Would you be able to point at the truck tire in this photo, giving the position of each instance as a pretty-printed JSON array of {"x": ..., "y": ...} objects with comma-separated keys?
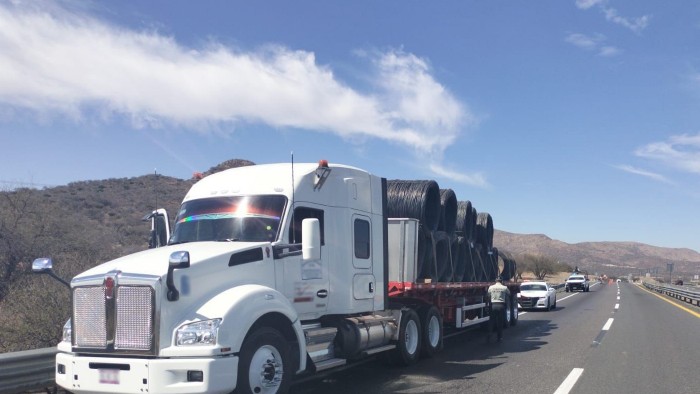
[
  {"x": 514, "y": 311},
  {"x": 265, "y": 365},
  {"x": 431, "y": 322},
  {"x": 549, "y": 306},
  {"x": 409, "y": 344},
  {"x": 508, "y": 312}
]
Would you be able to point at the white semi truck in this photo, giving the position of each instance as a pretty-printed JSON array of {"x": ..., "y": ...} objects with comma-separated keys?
[{"x": 271, "y": 271}]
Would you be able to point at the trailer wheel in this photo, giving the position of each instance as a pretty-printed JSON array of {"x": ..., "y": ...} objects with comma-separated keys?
[
  {"x": 265, "y": 365},
  {"x": 409, "y": 343},
  {"x": 514, "y": 310},
  {"x": 508, "y": 311},
  {"x": 431, "y": 322}
]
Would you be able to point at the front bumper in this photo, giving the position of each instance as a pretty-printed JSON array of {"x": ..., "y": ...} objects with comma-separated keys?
[
  {"x": 84, "y": 374},
  {"x": 532, "y": 303}
]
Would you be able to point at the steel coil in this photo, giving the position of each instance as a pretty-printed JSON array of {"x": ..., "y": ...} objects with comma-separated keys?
[
  {"x": 414, "y": 199},
  {"x": 463, "y": 225},
  {"x": 460, "y": 254},
  {"x": 448, "y": 212},
  {"x": 477, "y": 257},
  {"x": 484, "y": 230},
  {"x": 425, "y": 266},
  {"x": 443, "y": 259}
]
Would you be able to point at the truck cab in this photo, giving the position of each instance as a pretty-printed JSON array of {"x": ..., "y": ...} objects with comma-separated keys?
[{"x": 257, "y": 256}]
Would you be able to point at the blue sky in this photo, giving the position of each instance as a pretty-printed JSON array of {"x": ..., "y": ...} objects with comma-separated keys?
[{"x": 577, "y": 119}]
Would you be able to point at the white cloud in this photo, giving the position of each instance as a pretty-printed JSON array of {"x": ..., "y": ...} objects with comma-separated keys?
[
  {"x": 586, "y": 4},
  {"x": 583, "y": 41},
  {"x": 648, "y": 174},
  {"x": 611, "y": 15},
  {"x": 607, "y": 51},
  {"x": 635, "y": 24},
  {"x": 681, "y": 152},
  {"x": 74, "y": 65},
  {"x": 592, "y": 43},
  {"x": 473, "y": 179}
]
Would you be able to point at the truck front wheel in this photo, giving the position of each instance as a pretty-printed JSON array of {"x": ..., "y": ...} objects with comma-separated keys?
[{"x": 265, "y": 365}]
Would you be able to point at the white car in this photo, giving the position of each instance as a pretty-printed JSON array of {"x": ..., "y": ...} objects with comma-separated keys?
[
  {"x": 537, "y": 295},
  {"x": 577, "y": 281}
]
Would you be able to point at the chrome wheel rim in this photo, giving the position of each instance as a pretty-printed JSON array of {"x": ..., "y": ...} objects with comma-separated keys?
[
  {"x": 411, "y": 337},
  {"x": 266, "y": 370}
]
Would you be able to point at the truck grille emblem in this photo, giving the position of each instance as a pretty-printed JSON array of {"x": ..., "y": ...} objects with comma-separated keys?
[{"x": 108, "y": 284}]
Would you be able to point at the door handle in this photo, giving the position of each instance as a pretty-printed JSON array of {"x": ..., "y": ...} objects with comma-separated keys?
[
  {"x": 323, "y": 293},
  {"x": 371, "y": 288}
]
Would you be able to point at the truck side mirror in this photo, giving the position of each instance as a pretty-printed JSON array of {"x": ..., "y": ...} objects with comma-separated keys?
[
  {"x": 160, "y": 228},
  {"x": 44, "y": 265},
  {"x": 177, "y": 260},
  {"x": 311, "y": 239}
]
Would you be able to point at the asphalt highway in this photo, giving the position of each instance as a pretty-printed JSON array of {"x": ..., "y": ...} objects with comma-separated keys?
[{"x": 617, "y": 338}]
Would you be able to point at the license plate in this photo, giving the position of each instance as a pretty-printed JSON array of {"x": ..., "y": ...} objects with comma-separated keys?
[{"x": 109, "y": 376}]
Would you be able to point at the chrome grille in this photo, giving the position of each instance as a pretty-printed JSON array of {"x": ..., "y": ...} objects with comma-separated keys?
[
  {"x": 90, "y": 318},
  {"x": 125, "y": 323},
  {"x": 134, "y": 318}
]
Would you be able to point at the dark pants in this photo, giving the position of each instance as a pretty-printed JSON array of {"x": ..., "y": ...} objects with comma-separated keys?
[{"x": 497, "y": 316}]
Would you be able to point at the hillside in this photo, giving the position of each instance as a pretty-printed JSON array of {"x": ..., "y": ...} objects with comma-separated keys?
[{"x": 616, "y": 258}]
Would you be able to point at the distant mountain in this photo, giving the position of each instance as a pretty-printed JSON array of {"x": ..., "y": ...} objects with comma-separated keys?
[{"x": 616, "y": 258}]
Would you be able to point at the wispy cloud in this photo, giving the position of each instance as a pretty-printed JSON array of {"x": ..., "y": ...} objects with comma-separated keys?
[
  {"x": 681, "y": 152},
  {"x": 60, "y": 62},
  {"x": 586, "y": 4},
  {"x": 593, "y": 43},
  {"x": 648, "y": 174},
  {"x": 474, "y": 179},
  {"x": 635, "y": 24}
]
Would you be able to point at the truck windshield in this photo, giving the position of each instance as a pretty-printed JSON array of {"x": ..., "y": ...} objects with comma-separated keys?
[{"x": 240, "y": 218}]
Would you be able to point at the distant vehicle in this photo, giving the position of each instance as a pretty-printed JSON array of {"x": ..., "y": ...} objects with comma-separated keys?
[
  {"x": 537, "y": 295},
  {"x": 678, "y": 282},
  {"x": 618, "y": 281},
  {"x": 577, "y": 281}
]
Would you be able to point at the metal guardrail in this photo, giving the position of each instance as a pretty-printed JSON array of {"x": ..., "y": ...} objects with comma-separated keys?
[
  {"x": 27, "y": 370},
  {"x": 680, "y": 293}
]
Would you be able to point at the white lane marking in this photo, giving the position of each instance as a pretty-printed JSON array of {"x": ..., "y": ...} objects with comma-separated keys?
[
  {"x": 607, "y": 325},
  {"x": 618, "y": 297},
  {"x": 570, "y": 381},
  {"x": 617, "y": 306},
  {"x": 569, "y": 296}
]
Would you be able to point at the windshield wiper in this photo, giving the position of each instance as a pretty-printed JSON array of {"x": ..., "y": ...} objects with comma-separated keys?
[{"x": 228, "y": 240}]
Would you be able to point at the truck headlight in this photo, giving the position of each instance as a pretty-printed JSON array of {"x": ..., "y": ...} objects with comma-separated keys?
[
  {"x": 198, "y": 333},
  {"x": 67, "y": 331}
]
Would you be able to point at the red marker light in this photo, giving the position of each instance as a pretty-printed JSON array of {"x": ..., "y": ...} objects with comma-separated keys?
[
  {"x": 323, "y": 163},
  {"x": 109, "y": 287}
]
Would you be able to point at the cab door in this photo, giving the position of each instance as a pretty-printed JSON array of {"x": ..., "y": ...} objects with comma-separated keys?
[
  {"x": 305, "y": 283},
  {"x": 364, "y": 284}
]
